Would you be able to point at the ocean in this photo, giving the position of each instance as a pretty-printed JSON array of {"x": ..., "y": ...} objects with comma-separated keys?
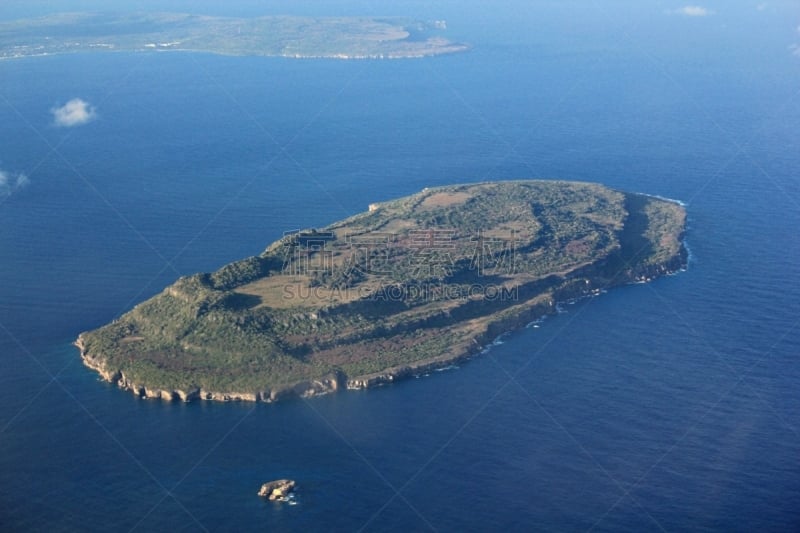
[{"x": 670, "y": 406}]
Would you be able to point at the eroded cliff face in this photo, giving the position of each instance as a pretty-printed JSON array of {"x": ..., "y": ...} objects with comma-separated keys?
[
  {"x": 303, "y": 389},
  {"x": 97, "y": 363},
  {"x": 233, "y": 335}
]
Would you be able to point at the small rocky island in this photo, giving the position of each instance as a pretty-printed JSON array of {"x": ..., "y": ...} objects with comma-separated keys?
[
  {"x": 411, "y": 285},
  {"x": 282, "y": 36},
  {"x": 278, "y": 490}
]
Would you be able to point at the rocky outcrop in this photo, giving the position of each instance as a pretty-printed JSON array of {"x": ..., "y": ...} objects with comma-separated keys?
[
  {"x": 277, "y": 490},
  {"x": 96, "y": 363}
]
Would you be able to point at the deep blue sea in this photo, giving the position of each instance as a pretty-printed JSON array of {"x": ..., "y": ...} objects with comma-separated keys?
[{"x": 668, "y": 406}]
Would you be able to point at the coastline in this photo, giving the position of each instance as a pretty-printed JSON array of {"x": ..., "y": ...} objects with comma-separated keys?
[
  {"x": 531, "y": 312},
  {"x": 297, "y": 37},
  {"x": 456, "y": 49}
]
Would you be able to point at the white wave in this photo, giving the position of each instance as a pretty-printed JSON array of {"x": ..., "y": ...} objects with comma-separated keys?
[{"x": 673, "y": 200}]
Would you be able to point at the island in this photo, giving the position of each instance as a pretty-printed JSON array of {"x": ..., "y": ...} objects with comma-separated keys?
[
  {"x": 280, "y": 490},
  {"x": 410, "y": 285},
  {"x": 285, "y": 36}
]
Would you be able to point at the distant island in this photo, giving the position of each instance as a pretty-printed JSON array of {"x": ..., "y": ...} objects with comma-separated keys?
[
  {"x": 285, "y": 36},
  {"x": 411, "y": 285}
]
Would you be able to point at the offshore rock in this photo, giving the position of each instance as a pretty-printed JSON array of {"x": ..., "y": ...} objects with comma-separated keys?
[{"x": 277, "y": 490}]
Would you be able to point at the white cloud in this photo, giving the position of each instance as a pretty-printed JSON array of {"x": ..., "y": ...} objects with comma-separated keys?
[
  {"x": 693, "y": 11},
  {"x": 73, "y": 113},
  {"x": 795, "y": 48},
  {"x": 11, "y": 183},
  {"x": 762, "y": 6}
]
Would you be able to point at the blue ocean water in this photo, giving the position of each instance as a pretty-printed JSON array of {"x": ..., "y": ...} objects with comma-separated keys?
[{"x": 671, "y": 405}]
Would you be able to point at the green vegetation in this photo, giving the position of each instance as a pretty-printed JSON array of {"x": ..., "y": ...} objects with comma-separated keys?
[
  {"x": 340, "y": 37},
  {"x": 412, "y": 283}
]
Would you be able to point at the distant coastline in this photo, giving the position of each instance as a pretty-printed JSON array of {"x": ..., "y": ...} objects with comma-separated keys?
[{"x": 273, "y": 36}]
